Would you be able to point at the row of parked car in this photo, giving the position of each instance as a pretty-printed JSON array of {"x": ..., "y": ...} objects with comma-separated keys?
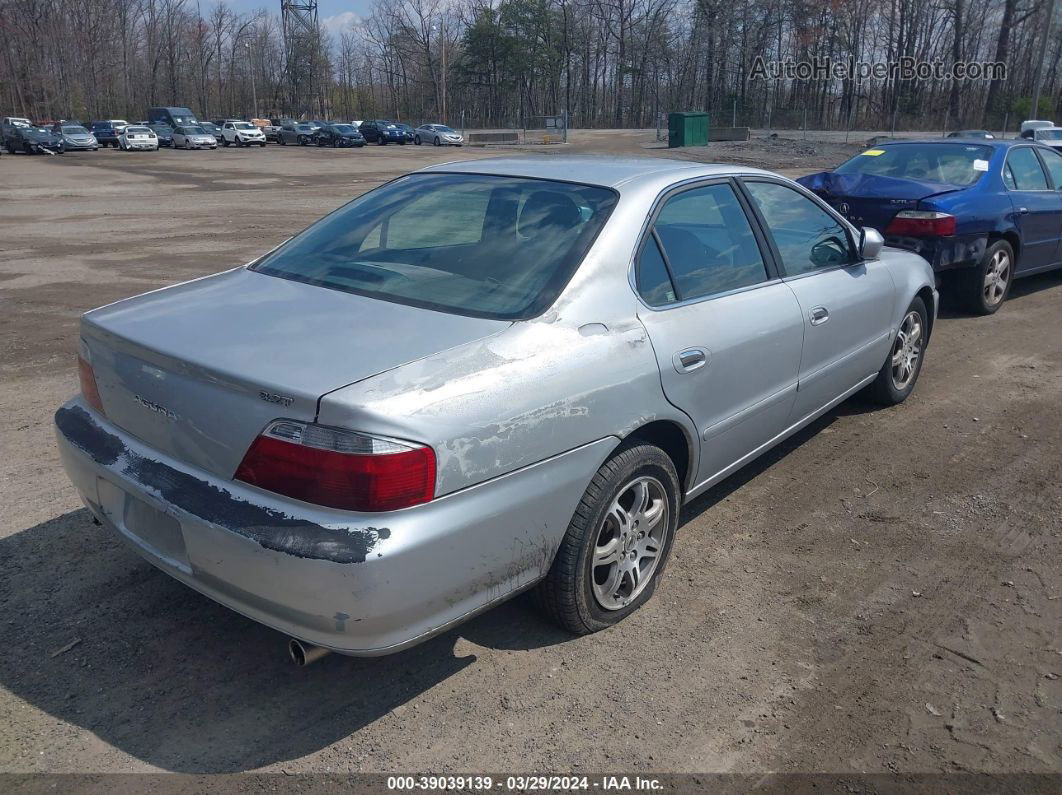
[{"x": 22, "y": 135}]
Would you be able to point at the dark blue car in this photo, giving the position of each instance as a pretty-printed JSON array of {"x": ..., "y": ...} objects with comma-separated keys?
[{"x": 981, "y": 212}]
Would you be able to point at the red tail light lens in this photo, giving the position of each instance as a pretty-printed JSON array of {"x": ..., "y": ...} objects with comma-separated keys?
[
  {"x": 89, "y": 390},
  {"x": 338, "y": 468},
  {"x": 921, "y": 223}
]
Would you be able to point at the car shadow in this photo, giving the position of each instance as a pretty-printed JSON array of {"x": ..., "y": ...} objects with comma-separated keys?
[
  {"x": 951, "y": 307},
  {"x": 98, "y": 638}
]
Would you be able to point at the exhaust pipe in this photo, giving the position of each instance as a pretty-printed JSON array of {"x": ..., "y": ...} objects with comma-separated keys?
[{"x": 302, "y": 654}]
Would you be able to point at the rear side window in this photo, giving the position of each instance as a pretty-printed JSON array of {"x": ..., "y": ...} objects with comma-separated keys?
[
  {"x": 1053, "y": 161},
  {"x": 703, "y": 242},
  {"x": 1025, "y": 171},
  {"x": 486, "y": 246},
  {"x": 654, "y": 282},
  {"x": 808, "y": 238}
]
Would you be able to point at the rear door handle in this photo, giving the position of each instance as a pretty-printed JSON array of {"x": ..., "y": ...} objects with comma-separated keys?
[
  {"x": 819, "y": 315},
  {"x": 690, "y": 359},
  {"x": 1023, "y": 211}
]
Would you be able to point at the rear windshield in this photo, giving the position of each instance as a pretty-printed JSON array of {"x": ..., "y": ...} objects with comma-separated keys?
[
  {"x": 1049, "y": 135},
  {"x": 485, "y": 246},
  {"x": 949, "y": 163},
  {"x": 137, "y": 130}
]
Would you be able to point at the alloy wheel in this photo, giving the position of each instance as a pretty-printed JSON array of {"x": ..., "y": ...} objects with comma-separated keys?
[
  {"x": 629, "y": 543},
  {"x": 997, "y": 277},
  {"x": 906, "y": 350}
]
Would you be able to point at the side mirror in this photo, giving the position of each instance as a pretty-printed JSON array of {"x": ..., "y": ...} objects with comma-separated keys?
[{"x": 870, "y": 243}]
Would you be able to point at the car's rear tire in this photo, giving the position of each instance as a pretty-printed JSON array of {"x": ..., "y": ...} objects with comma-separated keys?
[
  {"x": 986, "y": 287},
  {"x": 897, "y": 377},
  {"x": 437, "y": 141},
  {"x": 617, "y": 543}
]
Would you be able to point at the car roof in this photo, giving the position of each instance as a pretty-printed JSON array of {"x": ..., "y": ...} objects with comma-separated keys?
[
  {"x": 996, "y": 143},
  {"x": 609, "y": 172}
]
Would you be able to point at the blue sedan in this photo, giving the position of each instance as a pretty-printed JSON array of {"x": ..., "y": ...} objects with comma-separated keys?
[{"x": 981, "y": 212}]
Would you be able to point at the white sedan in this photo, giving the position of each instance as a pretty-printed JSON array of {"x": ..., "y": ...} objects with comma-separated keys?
[
  {"x": 136, "y": 136},
  {"x": 438, "y": 135}
]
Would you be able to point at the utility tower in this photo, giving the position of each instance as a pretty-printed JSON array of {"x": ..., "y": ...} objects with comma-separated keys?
[{"x": 301, "y": 42}]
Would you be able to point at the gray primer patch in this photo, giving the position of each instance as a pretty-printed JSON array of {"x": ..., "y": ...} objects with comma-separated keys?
[{"x": 270, "y": 528}]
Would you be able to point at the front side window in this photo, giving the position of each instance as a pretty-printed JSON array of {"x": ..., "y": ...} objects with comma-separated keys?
[
  {"x": 1023, "y": 171},
  {"x": 486, "y": 246},
  {"x": 807, "y": 237}
]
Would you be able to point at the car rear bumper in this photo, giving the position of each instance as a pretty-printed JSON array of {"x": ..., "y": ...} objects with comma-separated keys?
[
  {"x": 944, "y": 253},
  {"x": 361, "y": 584}
]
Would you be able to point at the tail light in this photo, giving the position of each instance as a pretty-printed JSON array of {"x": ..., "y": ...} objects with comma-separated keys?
[
  {"x": 89, "y": 391},
  {"x": 338, "y": 468},
  {"x": 921, "y": 223}
]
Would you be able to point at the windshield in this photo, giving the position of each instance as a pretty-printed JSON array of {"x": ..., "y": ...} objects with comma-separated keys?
[
  {"x": 443, "y": 128},
  {"x": 74, "y": 130},
  {"x": 195, "y": 131},
  {"x": 951, "y": 163},
  {"x": 486, "y": 246},
  {"x": 343, "y": 128},
  {"x": 243, "y": 125}
]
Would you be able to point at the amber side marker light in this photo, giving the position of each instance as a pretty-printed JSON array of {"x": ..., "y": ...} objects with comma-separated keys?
[{"x": 89, "y": 391}]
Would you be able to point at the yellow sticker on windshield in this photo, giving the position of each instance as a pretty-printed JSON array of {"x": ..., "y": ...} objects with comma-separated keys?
[{"x": 874, "y": 152}]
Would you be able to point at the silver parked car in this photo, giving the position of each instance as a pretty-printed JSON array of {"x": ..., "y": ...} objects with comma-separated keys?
[
  {"x": 192, "y": 136},
  {"x": 479, "y": 378},
  {"x": 437, "y": 135}
]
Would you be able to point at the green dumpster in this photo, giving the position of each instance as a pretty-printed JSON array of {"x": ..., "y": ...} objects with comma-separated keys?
[{"x": 688, "y": 128}]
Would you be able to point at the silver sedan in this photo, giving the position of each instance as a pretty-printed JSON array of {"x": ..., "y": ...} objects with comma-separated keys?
[
  {"x": 437, "y": 135},
  {"x": 477, "y": 379},
  {"x": 193, "y": 137}
]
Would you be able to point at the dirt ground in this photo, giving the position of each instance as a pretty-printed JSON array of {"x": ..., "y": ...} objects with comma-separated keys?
[{"x": 881, "y": 593}]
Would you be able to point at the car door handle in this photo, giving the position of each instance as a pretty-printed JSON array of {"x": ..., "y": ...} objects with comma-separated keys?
[
  {"x": 1023, "y": 211},
  {"x": 819, "y": 315},
  {"x": 690, "y": 359}
]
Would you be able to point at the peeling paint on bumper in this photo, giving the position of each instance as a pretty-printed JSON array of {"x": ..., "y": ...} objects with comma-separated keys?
[{"x": 362, "y": 584}]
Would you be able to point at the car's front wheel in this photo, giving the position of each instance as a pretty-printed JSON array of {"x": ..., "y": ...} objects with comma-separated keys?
[
  {"x": 897, "y": 377},
  {"x": 986, "y": 287},
  {"x": 416, "y": 140},
  {"x": 617, "y": 543}
]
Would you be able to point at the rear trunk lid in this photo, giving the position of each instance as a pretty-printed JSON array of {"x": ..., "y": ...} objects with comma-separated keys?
[
  {"x": 198, "y": 370},
  {"x": 868, "y": 200}
]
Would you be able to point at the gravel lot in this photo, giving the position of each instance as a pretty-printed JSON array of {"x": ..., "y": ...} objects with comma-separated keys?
[{"x": 882, "y": 593}]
